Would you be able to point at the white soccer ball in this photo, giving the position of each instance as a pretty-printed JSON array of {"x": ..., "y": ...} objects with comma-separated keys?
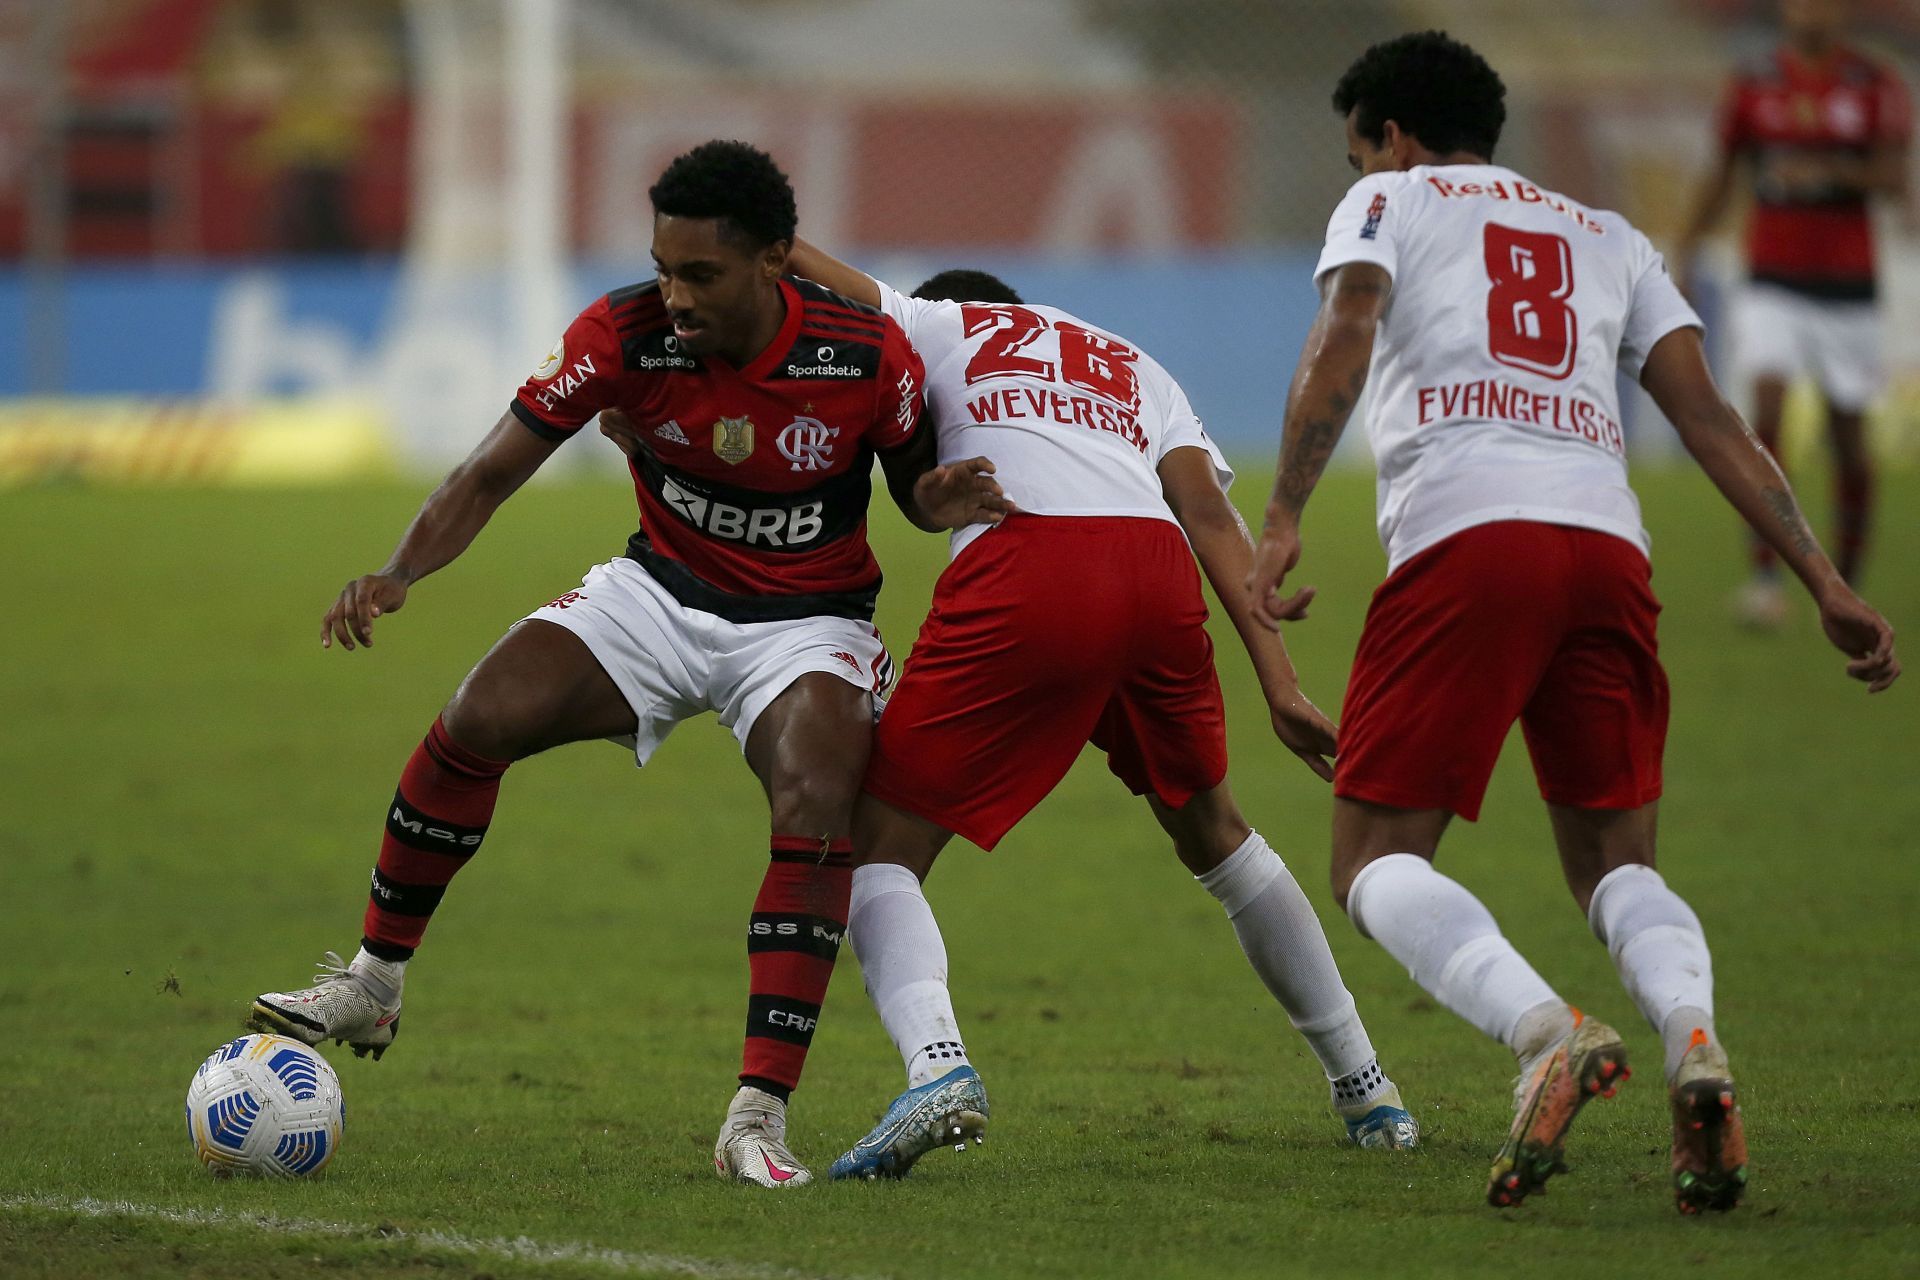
[{"x": 265, "y": 1105}]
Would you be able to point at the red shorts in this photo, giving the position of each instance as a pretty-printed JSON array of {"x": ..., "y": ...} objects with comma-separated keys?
[
  {"x": 1047, "y": 633},
  {"x": 1547, "y": 624}
]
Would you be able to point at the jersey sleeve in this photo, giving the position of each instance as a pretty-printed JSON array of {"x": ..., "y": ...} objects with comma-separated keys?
[
  {"x": 1730, "y": 121},
  {"x": 1367, "y": 226},
  {"x": 901, "y": 401},
  {"x": 910, "y": 313},
  {"x": 1185, "y": 432},
  {"x": 1893, "y": 122},
  {"x": 578, "y": 378},
  {"x": 1656, "y": 309}
]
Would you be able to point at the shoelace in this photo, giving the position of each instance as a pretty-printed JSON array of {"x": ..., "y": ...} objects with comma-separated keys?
[
  {"x": 762, "y": 1119},
  {"x": 332, "y": 969}
]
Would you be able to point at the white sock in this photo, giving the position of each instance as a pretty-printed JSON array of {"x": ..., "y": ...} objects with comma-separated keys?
[
  {"x": 1452, "y": 947},
  {"x": 1661, "y": 952},
  {"x": 382, "y": 978},
  {"x": 1287, "y": 947},
  {"x": 904, "y": 961}
]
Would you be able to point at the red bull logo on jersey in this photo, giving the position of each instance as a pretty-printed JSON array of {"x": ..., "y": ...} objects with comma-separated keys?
[
  {"x": 1371, "y": 228},
  {"x": 1520, "y": 191}
]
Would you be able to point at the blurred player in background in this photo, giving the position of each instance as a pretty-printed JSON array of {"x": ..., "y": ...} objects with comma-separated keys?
[
  {"x": 1820, "y": 130},
  {"x": 748, "y": 590},
  {"x": 1079, "y": 619},
  {"x": 1496, "y": 316}
]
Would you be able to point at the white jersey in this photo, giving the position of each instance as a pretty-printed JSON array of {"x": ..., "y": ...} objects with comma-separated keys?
[
  {"x": 1493, "y": 380},
  {"x": 1075, "y": 419}
]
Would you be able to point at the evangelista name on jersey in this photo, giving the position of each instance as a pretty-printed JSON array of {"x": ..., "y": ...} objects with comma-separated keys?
[{"x": 1493, "y": 398}]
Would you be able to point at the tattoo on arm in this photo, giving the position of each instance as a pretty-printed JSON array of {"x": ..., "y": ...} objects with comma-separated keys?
[
  {"x": 1311, "y": 443},
  {"x": 1786, "y": 514}
]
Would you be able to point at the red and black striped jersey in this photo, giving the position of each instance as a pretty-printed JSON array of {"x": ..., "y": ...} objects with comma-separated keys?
[
  {"x": 1812, "y": 238},
  {"x": 753, "y": 482}
]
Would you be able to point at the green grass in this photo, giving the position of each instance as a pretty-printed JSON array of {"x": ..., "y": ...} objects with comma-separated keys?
[{"x": 192, "y": 792}]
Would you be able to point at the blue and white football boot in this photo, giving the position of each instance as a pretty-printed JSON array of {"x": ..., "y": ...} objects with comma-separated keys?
[
  {"x": 952, "y": 1109},
  {"x": 1384, "y": 1124}
]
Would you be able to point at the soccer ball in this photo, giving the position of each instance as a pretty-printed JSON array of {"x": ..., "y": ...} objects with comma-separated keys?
[{"x": 265, "y": 1105}]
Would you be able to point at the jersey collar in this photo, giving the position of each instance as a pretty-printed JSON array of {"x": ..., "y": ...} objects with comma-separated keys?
[{"x": 756, "y": 369}]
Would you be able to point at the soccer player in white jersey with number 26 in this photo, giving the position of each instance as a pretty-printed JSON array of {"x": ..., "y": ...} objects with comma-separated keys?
[
  {"x": 1079, "y": 619},
  {"x": 1491, "y": 317}
]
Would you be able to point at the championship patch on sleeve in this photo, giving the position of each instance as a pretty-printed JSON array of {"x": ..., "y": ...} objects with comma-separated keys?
[
  {"x": 551, "y": 362},
  {"x": 1370, "y": 229}
]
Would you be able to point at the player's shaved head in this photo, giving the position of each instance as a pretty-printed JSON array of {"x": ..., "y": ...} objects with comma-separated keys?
[
  {"x": 736, "y": 184},
  {"x": 1434, "y": 88},
  {"x": 966, "y": 285}
]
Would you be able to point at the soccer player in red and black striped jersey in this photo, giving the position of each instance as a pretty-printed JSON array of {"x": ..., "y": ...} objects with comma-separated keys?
[
  {"x": 748, "y": 591},
  {"x": 1821, "y": 130}
]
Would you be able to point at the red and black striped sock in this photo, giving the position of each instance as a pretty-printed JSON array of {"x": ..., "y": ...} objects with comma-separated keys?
[
  {"x": 793, "y": 937},
  {"x": 1853, "y": 504},
  {"x": 438, "y": 817}
]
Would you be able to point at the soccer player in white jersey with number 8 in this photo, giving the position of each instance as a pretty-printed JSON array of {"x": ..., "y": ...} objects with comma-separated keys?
[{"x": 1491, "y": 317}]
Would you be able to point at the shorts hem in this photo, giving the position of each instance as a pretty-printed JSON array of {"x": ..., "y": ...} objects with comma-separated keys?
[
  {"x": 643, "y": 742},
  {"x": 1611, "y": 802},
  {"x": 1395, "y": 798},
  {"x": 960, "y": 826},
  {"x": 1186, "y": 794},
  {"x": 752, "y": 708}
]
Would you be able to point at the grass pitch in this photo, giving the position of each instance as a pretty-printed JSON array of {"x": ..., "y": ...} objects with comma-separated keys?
[{"x": 193, "y": 794}]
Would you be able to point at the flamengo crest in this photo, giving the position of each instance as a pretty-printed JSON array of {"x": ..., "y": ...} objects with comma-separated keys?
[
  {"x": 807, "y": 443},
  {"x": 733, "y": 439}
]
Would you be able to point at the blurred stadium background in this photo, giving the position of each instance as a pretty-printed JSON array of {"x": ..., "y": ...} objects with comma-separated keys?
[{"x": 284, "y": 239}]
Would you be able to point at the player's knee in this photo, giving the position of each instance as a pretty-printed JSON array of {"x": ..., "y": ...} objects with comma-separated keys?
[
  {"x": 814, "y": 802},
  {"x": 491, "y": 722}
]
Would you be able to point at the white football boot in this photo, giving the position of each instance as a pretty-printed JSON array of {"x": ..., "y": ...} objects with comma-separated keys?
[
  {"x": 752, "y": 1146},
  {"x": 340, "y": 1006},
  {"x": 1761, "y": 605}
]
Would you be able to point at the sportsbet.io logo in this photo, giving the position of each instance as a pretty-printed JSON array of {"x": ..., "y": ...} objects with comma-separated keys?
[{"x": 807, "y": 443}]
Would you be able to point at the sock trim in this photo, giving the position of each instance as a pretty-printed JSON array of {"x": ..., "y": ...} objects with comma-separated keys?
[
  {"x": 1614, "y": 878},
  {"x": 1359, "y": 881},
  {"x": 1244, "y": 875}
]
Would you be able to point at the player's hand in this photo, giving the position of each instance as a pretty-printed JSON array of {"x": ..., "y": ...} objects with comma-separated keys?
[
  {"x": 1303, "y": 730},
  {"x": 960, "y": 494},
  {"x": 360, "y": 602},
  {"x": 619, "y": 428},
  {"x": 1858, "y": 631},
  {"x": 1273, "y": 559}
]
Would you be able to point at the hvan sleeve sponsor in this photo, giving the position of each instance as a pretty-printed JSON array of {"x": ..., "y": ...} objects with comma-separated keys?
[{"x": 576, "y": 379}]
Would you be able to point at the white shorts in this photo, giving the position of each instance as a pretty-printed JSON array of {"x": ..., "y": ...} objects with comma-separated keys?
[
  {"x": 1837, "y": 344},
  {"x": 672, "y": 663}
]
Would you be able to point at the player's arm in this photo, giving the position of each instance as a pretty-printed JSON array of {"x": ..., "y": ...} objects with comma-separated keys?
[
  {"x": 937, "y": 498},
  {"x": 1677, "y": 377},
  {"x": 1710, "y": 201},
  {"x": 811, "y": 263},
  {"x": 447, "y": 523},
  {"x": 1326, "y": 385},
  {"x": 1224, "y": 548}
]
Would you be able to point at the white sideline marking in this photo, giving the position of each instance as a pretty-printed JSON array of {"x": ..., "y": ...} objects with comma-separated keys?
[{"x": 516, "y": 1249}]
